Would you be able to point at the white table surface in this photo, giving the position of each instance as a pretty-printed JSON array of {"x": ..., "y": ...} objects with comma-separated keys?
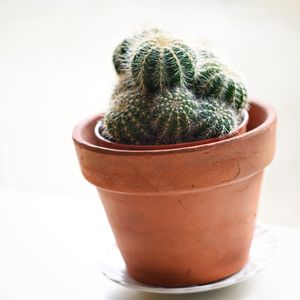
[{"x": 50, "y": 247}]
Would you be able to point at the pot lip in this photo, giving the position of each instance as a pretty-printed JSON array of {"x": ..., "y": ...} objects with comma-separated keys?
[
  {"x": 80, "y": 141},
  {"x": 110, "y": 144}
]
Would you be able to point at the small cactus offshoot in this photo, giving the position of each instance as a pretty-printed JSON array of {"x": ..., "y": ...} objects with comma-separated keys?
[
  {"x": 214, "y": 80},
  {"x": 170, "y": 93},
  {"x": 218, "y": 118},
  {"x": 126, "y": 120},
  {"x": 174, "y": 116}
]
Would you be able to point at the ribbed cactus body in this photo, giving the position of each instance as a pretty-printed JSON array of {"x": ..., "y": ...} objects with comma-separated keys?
[
  {"x": 217, "y": 118},
  {"x": 127, "y": 120},
  {"x": 216, "y": 81},
  {"x": 174, "y": 116},
  {"x": 161, "y": 63},
  {"x": 120, "y": 56}
]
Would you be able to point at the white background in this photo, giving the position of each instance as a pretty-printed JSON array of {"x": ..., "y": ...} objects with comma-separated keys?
[{"x": 55, "y": 69}]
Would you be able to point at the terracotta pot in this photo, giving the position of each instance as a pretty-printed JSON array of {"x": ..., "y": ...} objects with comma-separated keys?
[
  {"x": 182, "y": 216},
  {"x": 107, "y": 143}
]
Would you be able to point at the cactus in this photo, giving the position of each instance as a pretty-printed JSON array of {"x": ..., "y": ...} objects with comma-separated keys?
[
  {"x": 126, "y": 120},
  {"x": 217, "y": 119},
  {"x": 122, "y": 51},
  {"x": 174, "y": 116},
  {"x": 120, "y": 56},
  {"x": 214, "y": 80},
  {"x": 161, "y": 63},
  {"x": 168, "y": 93}
]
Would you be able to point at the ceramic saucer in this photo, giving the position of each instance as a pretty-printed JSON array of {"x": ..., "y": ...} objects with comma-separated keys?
[{"x": 262, "y": 249}]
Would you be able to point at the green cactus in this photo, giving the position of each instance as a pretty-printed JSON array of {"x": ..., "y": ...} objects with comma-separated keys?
[
  {"x": 161, "y": 63},
  {"x": 174, "y": 116},
  {"x": 120, "y": 56},
  {"x": 214, "y": 80},
  {"x": 167, "y": 93},
  {"x": 217, "y": 118},
  {"x": 127, "y": 119}
]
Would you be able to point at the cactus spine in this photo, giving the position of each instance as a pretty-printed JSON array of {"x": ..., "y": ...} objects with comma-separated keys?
[{"x": 169, "y": 93}]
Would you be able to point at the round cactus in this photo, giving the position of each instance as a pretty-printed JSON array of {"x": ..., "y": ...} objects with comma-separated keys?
[
  {"x": 127, "y": 119},
  {"x": 217, "y": 119},
  {"x": 174, "y": 116},
  {"x": 214, "y": 80},
  {"x": 160, "y": 62}
]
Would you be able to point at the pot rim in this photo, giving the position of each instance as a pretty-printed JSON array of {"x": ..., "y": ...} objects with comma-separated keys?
[
  {"x": 79, "y": 139},
  {"x": 237, "y": 130}
]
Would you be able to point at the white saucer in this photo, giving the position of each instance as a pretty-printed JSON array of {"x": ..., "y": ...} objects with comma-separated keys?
[{"x": 263, "y": 247}]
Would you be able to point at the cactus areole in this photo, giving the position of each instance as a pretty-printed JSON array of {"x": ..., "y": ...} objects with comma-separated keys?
[
  {"x": 177, "y": 169},
  {"x": 169, "y": 93}
]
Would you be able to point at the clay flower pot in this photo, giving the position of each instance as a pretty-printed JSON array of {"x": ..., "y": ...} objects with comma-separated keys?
[{"x": 182, "y": 216}]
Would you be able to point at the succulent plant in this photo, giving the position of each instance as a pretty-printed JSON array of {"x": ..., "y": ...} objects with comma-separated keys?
[
  {"x": 123, "y": 50},
  {"x": 214, "y": 80},
  {"x": 218, "y": 118},
  {"x": 168, "y": 93},
  {"x": 161, "y": 63},
  {"x": 126, "y": 120},
  {"x": 173, "y": 116}
]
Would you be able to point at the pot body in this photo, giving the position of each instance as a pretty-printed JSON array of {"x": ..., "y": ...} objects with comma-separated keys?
[
  {"x": 182, "y": 216},
  {"x": 184, "y": 238}
]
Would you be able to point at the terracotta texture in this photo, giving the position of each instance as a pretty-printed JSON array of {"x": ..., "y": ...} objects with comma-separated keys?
[{"x": 182, "y": 216}]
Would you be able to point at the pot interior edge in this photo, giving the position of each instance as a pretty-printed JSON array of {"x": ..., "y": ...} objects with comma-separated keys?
[{"x": 260, "y": 116}]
